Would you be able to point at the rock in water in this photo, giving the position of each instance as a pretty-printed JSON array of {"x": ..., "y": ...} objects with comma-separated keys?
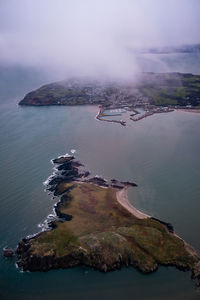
[{"x": 8, "y": 252}]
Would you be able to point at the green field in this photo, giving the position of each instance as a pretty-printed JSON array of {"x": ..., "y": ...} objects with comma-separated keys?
[
  {"x": 104, "y": 235},
  {"x": 157, "y": 88}
]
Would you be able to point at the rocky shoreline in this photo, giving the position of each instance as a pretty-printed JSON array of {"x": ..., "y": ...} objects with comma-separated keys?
[
  {"x": 67, "y": 170},
  {"x": 93, "y": 229}
]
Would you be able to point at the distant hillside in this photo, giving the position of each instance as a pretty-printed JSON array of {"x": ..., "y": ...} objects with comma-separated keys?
[
  {"x": 173, "y": 49},
  {"x": 148, "y": 89}
]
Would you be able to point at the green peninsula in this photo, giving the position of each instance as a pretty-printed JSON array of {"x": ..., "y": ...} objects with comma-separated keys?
[
  {"x": 98, "y": 227},
  {"x": 146, "y": 89}
]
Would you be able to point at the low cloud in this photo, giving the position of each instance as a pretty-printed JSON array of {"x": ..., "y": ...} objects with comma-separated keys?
[{"x": 92, "y": 37}]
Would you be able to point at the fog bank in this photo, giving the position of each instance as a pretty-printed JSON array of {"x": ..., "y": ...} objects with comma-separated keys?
[{"x": 90, "y": 37}]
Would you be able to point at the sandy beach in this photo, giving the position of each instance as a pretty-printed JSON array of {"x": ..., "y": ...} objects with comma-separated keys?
[{"x": 122, "y": 198}]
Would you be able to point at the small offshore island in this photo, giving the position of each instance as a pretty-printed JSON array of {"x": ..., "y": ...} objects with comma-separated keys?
[{"x": 96, "y": 226}]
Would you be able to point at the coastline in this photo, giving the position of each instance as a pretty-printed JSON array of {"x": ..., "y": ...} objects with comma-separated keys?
[
  {"x": 115, "y": 233},
  {"x": 122, "y": 199}
]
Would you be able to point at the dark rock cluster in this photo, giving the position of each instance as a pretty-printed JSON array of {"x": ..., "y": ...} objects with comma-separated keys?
[
  {"x": 71, "y": 170},
  {"x": 8, "y": 252}
]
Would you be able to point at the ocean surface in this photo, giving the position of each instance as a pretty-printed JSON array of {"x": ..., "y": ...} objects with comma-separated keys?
[{"x": 159, "y": 153}]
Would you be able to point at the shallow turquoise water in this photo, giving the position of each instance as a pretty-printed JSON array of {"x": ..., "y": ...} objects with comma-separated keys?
[{"x": 160, "y": 153}]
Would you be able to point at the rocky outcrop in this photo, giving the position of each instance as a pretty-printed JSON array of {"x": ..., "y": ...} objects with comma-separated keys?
[
  {"x": 121, "y": 184},
  {"x": 8, "y": 252},
  {"x": 68, "y": 170},
  {"x": 99, "y": 181},
  {"x": 71, "y": 170},
  {"x": 62, "y": 159},
  {"x": 128, "y": 183}
]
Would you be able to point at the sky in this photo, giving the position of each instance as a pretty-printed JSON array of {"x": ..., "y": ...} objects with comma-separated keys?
[{"x": 92, "y": 37}]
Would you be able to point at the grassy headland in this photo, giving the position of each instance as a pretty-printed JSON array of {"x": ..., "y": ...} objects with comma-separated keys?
[
  {"x": 147, "y": 89},
  {"x": 94, "y": 229}
]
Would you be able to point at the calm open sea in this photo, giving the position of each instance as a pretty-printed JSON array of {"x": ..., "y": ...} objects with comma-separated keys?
[{"x": 159, "y": 153}]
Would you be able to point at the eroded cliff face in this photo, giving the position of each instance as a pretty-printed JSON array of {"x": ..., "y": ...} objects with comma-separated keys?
[{"x": 107, "y": 251}]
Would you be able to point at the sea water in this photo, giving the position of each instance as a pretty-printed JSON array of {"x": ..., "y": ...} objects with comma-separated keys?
[{"x": 160, "y": 153}]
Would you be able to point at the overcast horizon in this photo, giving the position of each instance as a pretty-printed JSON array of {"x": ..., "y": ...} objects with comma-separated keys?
[{"x": 92, "y": 37}]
